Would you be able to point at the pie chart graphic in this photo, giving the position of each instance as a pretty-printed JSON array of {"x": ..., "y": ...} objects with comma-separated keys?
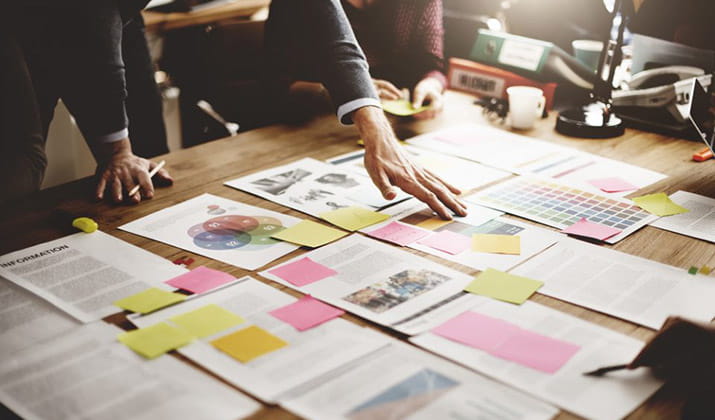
[{"x": 248, "y": 233}]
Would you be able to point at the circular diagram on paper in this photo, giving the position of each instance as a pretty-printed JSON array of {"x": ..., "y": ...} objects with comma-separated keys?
[{"x": 235, "y": 231}]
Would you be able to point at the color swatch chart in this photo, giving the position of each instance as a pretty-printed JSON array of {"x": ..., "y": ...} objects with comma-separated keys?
[{"x": 561, "y": 206}]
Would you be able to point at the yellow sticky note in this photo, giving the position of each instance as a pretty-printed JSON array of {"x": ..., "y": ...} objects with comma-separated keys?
[
  {"x": 496, "y": 244},
  {"x": 156, "y": 340},
  {"x": 149, "y": 300},
  {"x": 705, "y": 270},
  {"x": 309, "y": 233},
  {"x": 433, "y": 223},
  {"x": 247, "y": 344},
  {"x": 354, "y": 218},
  {"x": 659, "y": 204},
  {"x": 402, "y": 108},
  {"x": 503, "y": 286},
  {"x": 207, "y": 320}
]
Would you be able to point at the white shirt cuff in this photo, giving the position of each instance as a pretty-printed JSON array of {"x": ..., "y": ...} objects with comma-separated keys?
[
  {"x": 347, "y": 108},
  {"x": 112, "y": 137}
]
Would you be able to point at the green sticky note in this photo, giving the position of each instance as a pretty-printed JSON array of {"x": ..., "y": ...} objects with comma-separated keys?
[
  {"x": 354, "y": 218},
  {"x": 207, "y": 320},
  {"x": 309, "y": 233},
  {"x": 402, "y": 108},
  {"x": 659, "y": 204},
  {"x": 149, "y": 300},
  {"x": 247, "y": 344},
  {"x": 503, "y": 286},
  {"x": 693, "y": 270},
  {"x": 156, "y": 340}
]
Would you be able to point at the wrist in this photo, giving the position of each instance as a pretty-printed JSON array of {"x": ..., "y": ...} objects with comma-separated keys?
[
  {"x": 375, "y": 130},
  {"x": 105, "y": 151}
]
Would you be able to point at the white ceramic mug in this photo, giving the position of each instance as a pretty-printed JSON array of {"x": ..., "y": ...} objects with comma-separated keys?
[{"x": 526, "y": 104}]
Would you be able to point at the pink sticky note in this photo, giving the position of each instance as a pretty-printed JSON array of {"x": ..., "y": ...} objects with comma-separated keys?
[
  {"x": 398, "y": 233},
  {"x": 200, "y": 280},
  {"x": 449, "y": 242},
  {"x": 476, "y": 330},
  {"x": 591, "y": 230},
  {"x": 303, "y": 271},
  {"x": 306, "y": 313},
  {"x": 613, "y": 185},
  {"x": 536, "y": 351}
]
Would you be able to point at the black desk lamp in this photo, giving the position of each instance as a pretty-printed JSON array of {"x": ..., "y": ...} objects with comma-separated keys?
[{"x": 596, "y": 119}]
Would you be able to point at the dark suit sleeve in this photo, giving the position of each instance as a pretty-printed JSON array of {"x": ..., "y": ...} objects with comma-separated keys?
[{"x": 318, "y": 30}]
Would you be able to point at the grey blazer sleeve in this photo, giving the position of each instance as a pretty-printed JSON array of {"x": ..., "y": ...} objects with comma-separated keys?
[{"x": 319, "y": 31}]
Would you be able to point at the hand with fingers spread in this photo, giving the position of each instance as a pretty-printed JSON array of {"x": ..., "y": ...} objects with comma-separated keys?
[
  {"x": 682, "y": 352},
  {"x": 389, "y": 167},
  {"x": 386, "y": 90},
  {"x": 428, "y": 92},
  {"x": 119, "y": 170}
]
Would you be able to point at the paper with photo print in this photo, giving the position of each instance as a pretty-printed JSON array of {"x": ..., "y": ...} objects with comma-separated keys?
[
  {"x": 383, "y": 284},
  {"x": 313, "y": 187}
]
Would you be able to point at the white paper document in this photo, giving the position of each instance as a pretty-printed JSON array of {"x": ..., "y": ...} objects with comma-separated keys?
[
  {"x": 628, "y": 287},
  {"x": 87, "y": 374},
  {"x": 698, "y": 222},
  {"x": 382, "y": 284},
  {"x": 610, "y": 397},
  {"x": 403, "y": 382},
  {"x": 218, "y": 228},
  {"x": 524, "y": 155},
  {"x": 479, "y": 220},
  {"x": 26, "y": 319},
  {"x": 309, "y": 354},
  {"x": 313, "y": 187},
  {"x": 84, "y": 273},
  {"x": 461, "y": 173}
]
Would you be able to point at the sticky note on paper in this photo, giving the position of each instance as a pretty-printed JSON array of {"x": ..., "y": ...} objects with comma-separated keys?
[
  {"x": 659, "y": 204},
  {"x": 476, "y": 330},
  {"x": 354, "y": 218},
  {"x": 536, "y": 351},
  {"x": 591, "y": 230},
  {"x": 447, "y": 241},
  {"x": 433, "y": 223},
  {"x": 200, "y": 280},
  {"x": 503, "y": 286},
  {"x": 402, "y": 108},
  {"x": 249, "y": 343},
  {"x": 155, "y": 340},
  {"x": 398, "y": 233},
  {"x": 306, "y": 313},
  {"x": 302, "y": 272},
  {"x": 149, "y": 300},
  {"x": 496, "y": 244},
  {"x": 207, "y": 320},
  {"x": 309, "y": 233},
  {"x": 612, "y": 185}
]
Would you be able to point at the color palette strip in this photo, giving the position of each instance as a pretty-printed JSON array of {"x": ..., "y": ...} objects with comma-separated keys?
[{"x": 561, "y": 206}]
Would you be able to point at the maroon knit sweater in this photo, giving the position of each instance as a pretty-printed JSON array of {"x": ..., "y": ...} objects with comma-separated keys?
[{"x": 402, "y": 39}]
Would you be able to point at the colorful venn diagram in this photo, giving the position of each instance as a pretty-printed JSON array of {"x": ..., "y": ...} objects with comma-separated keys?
[{"x": 234, "y": 231}]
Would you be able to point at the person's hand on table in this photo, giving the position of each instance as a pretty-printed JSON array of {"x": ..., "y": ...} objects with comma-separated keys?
[
  {"x": 386, "y": 90},
  {"x": 683, "y": 352},
  {"x": 119, "y": 170},
  {"x": 389, "y": 167},
  {"x": 428, "y": 91}
]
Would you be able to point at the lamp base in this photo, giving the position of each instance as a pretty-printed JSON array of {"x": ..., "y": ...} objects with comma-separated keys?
[{"x": 592, "y": 121}]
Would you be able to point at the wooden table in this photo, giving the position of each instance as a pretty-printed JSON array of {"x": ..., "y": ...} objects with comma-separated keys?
[
  {"x": 203, "y": 169},
  {"x": 160, "y": 22}
]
